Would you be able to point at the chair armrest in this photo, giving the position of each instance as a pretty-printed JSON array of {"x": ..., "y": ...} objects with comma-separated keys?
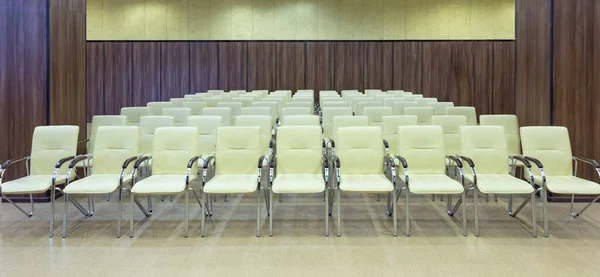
[
  {"x": 332, "y": 143},
  {"x": 468, "y": 160},
  {"x": 587, "y": 161},
  {"x": 272, "y": 161},
  {"x": 535, "y": 161},
  {"x": 192, "y": 161},
  {"x": 79, "y": 159},
  {"x": 521, "y": 159},
  {"x": 261, "y": 160},
  {"x": 207, "y": 162},
  {"x": 8, "y": 163},
  {"x": 456, "y": 160},
  {"x": 141, "y": 160},
  {"x": 325, "y": 162},
  {"x": 386, "y": 144},
  {"x": 272, "y": 144},
  {"x": 402, "y": 161},
  {"x": 335, "y": 161}
]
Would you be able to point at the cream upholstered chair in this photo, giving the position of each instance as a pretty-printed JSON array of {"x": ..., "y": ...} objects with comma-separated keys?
[
  {"x": 272, "y": 108},
  {"x": 97, "y": 122},
  {"x": 299, "y": 166},
  {"x": 484, "y": 148},
  {"x": 179, "y": 115},
  {"x": 424, "y": 102},
  {"x": 156, "y": 107},
  {"x": 246, "y": 101},
  {"x": 451, "y": 125},
  {"x": 236, "y": 109},
  {"x": 399, "y": 107},
  {"x": 511, "y": 130},
  {"x": 293, "y": 111},
  {"x": 389, "y": 102},
  {"x": 424, "y": 114},
  {"x": 393, "y": 91},
  {"x": 299, "y": 98},
  {"x": 549, "y": 148},
  {"x": 133, "y": 114},
  {"x": 373, "y": 92},
  {"x": 439, "y": 108},
  {"x": 402, "y": 93},
  {"x": 259, "y": 111},
  {"x": 174, "y": 166},
  {"x": 389, "y": 127},
  {"x": 195, "y": 107},
  {"x": 360, "y": 106},
  {"x": 198, "y": 97},
  {"x": 51, "y": 148},
  {"x": 360, "y": 164},
  {"x": 343, "y": 93},
  {"x": 336, "y": 104},
  {"x": 412, "y": 97},
  {"x": 328, "y": 113},
  {"x": 178, "y": 102},
  {"x": 115, "y": 150},
  {"x": 224, "y": 113},
  {"x": 421, "y": 154},
  {"x": 375, "y": 114},
  {"x": 279, "y": 100},
  {"x": 148, "y": 125},
  {"x": 238, "y": 153},
  {"x": 254, "y": 96},
  {"x": 469, "y": 112},
  {"x": 211, "y": 102},
  {"x": 264, "y": 123},
  {"x": 355, "y": 102},
  {"x": 207, "y": 127},
  {"x": 215, "y": 91},
  {"x": 226, "y": 96},
  {"x": 301, "y": 120},
  {"x": 309, "y": 105},
  {"x": 262, "y": 92},
  {"x": 346, "y": 121},
  {"x": 381, "y": 97}
]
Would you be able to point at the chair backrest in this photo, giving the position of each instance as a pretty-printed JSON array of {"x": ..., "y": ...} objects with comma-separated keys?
[
  {"x": 156, "y": 107},
  {"x": 178, "y": 102},
  {"x": 355, "y": 102},
  {"x": 246, "y": 101},
  {"x": 389, "y": 127},
  {"x": 299, "y": 150},
  {"x": 412, "y": 97},
  {"x": 301, "y": 120},
  {"x": 133, "y": 114},
  {"x": 179, "y": 115},
  {"x": 50, "y": 144},
  {"x": 224, "y": 113},
  {"x": 439, "y": 108},
  {"x": 261, "y": 92},
  {"x": 215, "y": 91},
  {"x": 104, "y": 120},
  {"x": 469, "y": 112},
  {"x": 337, "y": 104},
  {"x": 211, "y": 102},
  {"x": 207, "y": 127},
  {"x": 294, "y": 111},
  {"x": 255, "y": 96},
  {"x": 198, "y": 97},
  {"x": 389, "y": 102},
  {"x": 424, "y": 102},
  {"x": 279, "y": 100},
  {"x": 298, "y": 98},
  {"x": 236, "y": 109},
  {"x": 402, "y": 93},
  {"x": 399, "y": 107},
  {"x": 238, "y": 150},
  {"x": 375, "y": 114},
  {"x": 381, "y": 97},
  {"x": 451, "y": 125},
  {"x": 360, "y": 150},
  {"x": 511, "y": 129},
  {"x": 172, "y": 150},
  {"x": 114, "y": 145},
  {"x": 342, "y": 121},
  {"x": 328, "y": 113},
  {"x": 551, "y": 145},
  {"x": 261, "y": 121},
  {"x": 360, "y": 106},
  {"x": 195, "y": 107},
  {"x": 486, "y": 146},
  {"x": 373, "y": 92},
  {"x": 423, "y": 114},
  {"x": 423, "y": 149},
  {"x": 308, "y": 105},
  {"x": 148, "y": 125}
]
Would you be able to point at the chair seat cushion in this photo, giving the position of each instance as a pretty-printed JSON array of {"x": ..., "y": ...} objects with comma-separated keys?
[
  {"x": 161, "y": 184},
  {"x": 569, "y": 185},
  {"x": 96, "y": 184},
  {"x": 433, "y": 184},
  {"x": 502, "y": 184},
  {"x": 31, "y": 184},
  {"x": 367, "y": 183},
  {"x": 298, "y": 183},
  {"x": 232, "y": 183}
]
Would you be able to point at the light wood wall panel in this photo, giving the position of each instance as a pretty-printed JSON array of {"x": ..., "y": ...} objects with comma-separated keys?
[{"x": 301, "y": 19}]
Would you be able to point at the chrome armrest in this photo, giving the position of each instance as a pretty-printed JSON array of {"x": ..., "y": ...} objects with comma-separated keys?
[
  {"x": 387, "y": 147},
  {"x": 190, "y": 164},
  {"x": 587, "y": 161},
  {"x": 324, "y": 146},
  {"x": 79, "y": 159},
  {"x": 8, "y": 163},
  {"x": 272, "y": 145},
  {"x": 207, "y": 162},
  {"x": 405, "y": 166},
  {"x": 272, "y": 163},
  {"x": 521, "y": 159},
  {"x": 539, "y": 165},
  {"x": 335, "y": 161},
  {"x": 332, "y": 145},
  {"x": 126, "y": 164},
  {"x": 261, "y": 160},
  {"x": 471, "y": 164},
  {"x": 457, "y": 161},
  {"x": 141, "y": 160},
  {"x": 325, "y": 164}
]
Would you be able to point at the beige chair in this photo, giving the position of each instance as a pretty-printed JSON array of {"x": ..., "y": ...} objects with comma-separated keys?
[
  {"x": 355, "y": 102},
  {"x": 178, "y": 102},
  {"x": 299, "y": 98},
  {"x": 279, "y": 100},
  {"x": 389, "y": 127},
  {"x": 389, "y": 102},
  {"x": 238, "y": 153},
  {"x": 97, "y": 122},
  {"x": 156, "y": 107},
  {"x": 301, "y": 120},
  {"x": 255, "y": 97},
  {"x": 337, "y": 104},
  {"x": 195, "y": 107},
  {"x": 215, "y": 91},
  {"x": 309, "y": 105},
  {"x": 148, "y": 125},
  {"x": 328, "y": 114},
  {"x": 262, "y": 92},
  {"x": 266, "y": 127},
  {"x": 361, "y": 162},
  {"x": 412, "y": 97},
  {"x": 511, "y": 129},
  {"x": 381, "y": 97},
  {"x": 424, "y": 114},
  {"x": 246, "y": 101},
  {"x": 51, "y": 148},
  {"x": 347, "y": 121},
  {"x": 179, "y": 115},
  {"x": 198, "y": 97},
  {"x": 421, "y": 154},
  {"x": 115, "y": 150},
  {"x": 399, "y": 107},
  {"x": 133, "y": 114},
  {"x": 272, "y": 108},
  {"x": 207, "y": 127},
  {"x": 469, "y": 112},
  {"x": 360, "y": 106},
  {"x": 224, "y": 113},
  {"x": 484, "y": 148},
  {"x": 211, "y": 102},
  {"x": 236, "y": 109},
  {"x": 402, "y": 93},
  {"x": 424, "y": 102},
  {"x": 174, "y": 166},
  {"x": 373, "y": 92},
  {"x": 376, "y": 114},
  {"x": 549, "y": 148},
  {"x": 451, "y": 125},
  {"x": 293, "y": 111},
  {"x": 439, "y": 108}
]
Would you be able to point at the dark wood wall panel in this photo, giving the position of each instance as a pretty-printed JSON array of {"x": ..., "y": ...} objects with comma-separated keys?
[
  {"x": 483, "y": 70},
  {"x": 117, "y": 76},
  {"x": 204, "y": 66},
  {"x": 175, "y": 69},
  {"x": 146, "y": 73},
  {"x": 290, "y": 66},
  {"x": 232, "y": 65},
  {"x": 504, "y": 78},
  {"x": 95, "y": 78},
  {"x": 320, "y": 66},
  {"x": 533, "y": 78},
  {"x": 377, "y": 69},
  {"x": 262, "y": 65},
  {"x": 349, "y": 58},
  {"x": 408, "y": 66}
]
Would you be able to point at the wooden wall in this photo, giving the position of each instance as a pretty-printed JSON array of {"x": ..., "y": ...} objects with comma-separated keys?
[{"x": 479, "y": 73}]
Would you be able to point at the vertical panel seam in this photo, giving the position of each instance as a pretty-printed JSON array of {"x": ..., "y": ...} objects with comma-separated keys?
[{"x": 551, "y": 58}]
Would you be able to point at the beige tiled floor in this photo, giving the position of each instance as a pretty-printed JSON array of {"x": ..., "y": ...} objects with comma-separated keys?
[{"x": 298, "y": 247}]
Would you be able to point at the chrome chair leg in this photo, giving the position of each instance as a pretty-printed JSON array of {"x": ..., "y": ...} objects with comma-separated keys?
[
  {"x": 258, "y": 212},
  {"x": 64, "y": 223},
  {"x": 326, "y": 212},
  {"x": 407, "y": 212},
  {"x": 476, "y": 210},
  {"x": 270, "y": 200},
  {"x": 120, "y": 218},
  {"x": 339, "y": 214},
  {"x": 533, "y": 221},
  {"x": 187, "y": 212},
  {"x": 395, "y": 212},
  {"x": 205, "y": 214},
  {"x": 149, "y": 204}
]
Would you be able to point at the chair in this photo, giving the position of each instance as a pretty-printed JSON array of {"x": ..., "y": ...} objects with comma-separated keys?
[
  {"x": 399, "y": 107},
  {"x": 298, "y": 98},
  {"x": 511, "y": 129},
  {"x": 264, "y": 123},
  {"x": 272, "y": 108},
  {"x": 424, "y": 102},
  {"x": 299, "y": 166},
  {"x": 97, "y": 122},
  {"x": 337, "y": 104},
  {"x": 360, "y": 106},
  {"x": 215, "y": 91},
  {"x": 133, "y": 114},
  {"x": 195, "y": 107},
  {"x": 412, "y": 97},
  {"x": 439, "y": 108},
  {"x": 148, "y": 126},
  {"x": 484, "y": 148},
  {"x": 293, "y": 111},
  {"x": 451, "y": 125},
  {"x": 549, "y": 148},
  {"x": 238, "y": 153},
  {"x": 179, "y": 115},
  {"x": 178, "y": 102},
  {"x": 246, "y": 101},
  {"x": 373, "y": 92},
  {"x": 259, "y": 111},
  {"x": 355, "y": 102},
  {"x": 115, "y": 150},
  {"x": 51, "y": 148},
  {"x": 328, "y": 114},
  {"x": 280, "y": 101},
  {"x": 389, "y": 102},
  {"x": 346, "y": 121},
  {"x": 174, "y": 166},
  {"x": 236, "y": 109},
  {"x": 198, "y": 97},
  {"x": 382, "y": 97},
  {"x": 301, "y": 120},
  {"x": 424, "y": 114},
  {"x": 375, "y": 114},
  {"x": 469, "y": 112},
  {"x": 224, "y": 113},
  {"x": 156, "y": 107},
  {"x": 389, "y": 127},
  {"x": 402, "y": 93},
  {"x": 207, "y": 127},
  {"x": 308, "y": 105},
  {"x": 263, "y": 92},
  {"x": 421, "y": 154},
  {"x": 363, "y": 160}
]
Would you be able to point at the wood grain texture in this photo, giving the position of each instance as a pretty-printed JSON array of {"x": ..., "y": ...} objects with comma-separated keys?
[
  {"x": 261, "y": 65},
  {"x": 408, "y": 66},
  {"x": 504, "y": 78},
  {"x": 175, "y": 69},
  {"x": 349, "y": 70},
  {"x": 204, "y": 66},
  {"x": 483, "y": 71},
  {"x": 290, "y": 66},
  {"x": 95, "y": 79},
  {"x": 377, "y": 65},
  {"x": 118, "y": 62},
  {"x": 146, "y": 73},
  {"x": 233, "y": 65},
  {"x": 320, "y": 66},
  {"x": 533, "y": 55}
]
